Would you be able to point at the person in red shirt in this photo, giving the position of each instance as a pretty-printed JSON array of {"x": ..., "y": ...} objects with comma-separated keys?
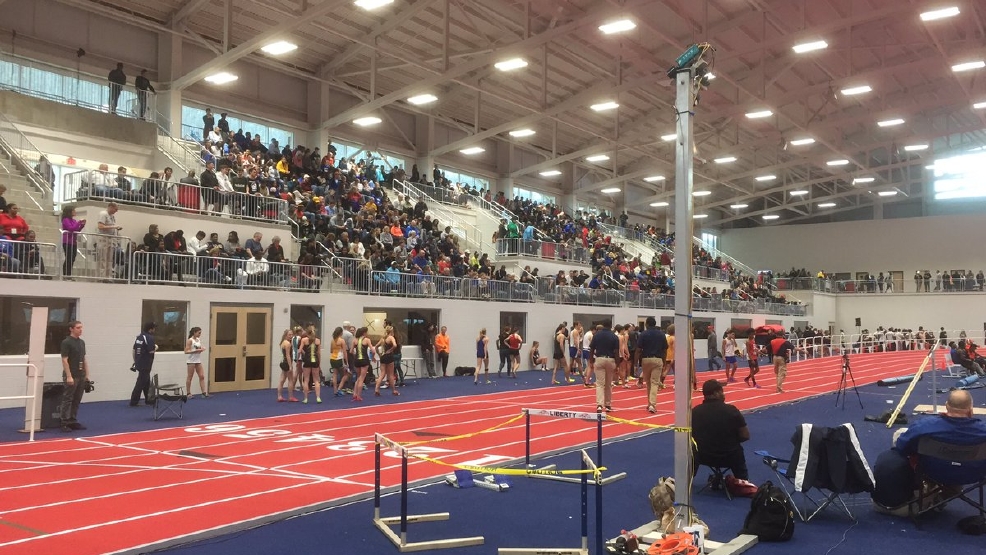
[
  {"x": 780, "y": 349},
  {"x": 12, "y": 225}
]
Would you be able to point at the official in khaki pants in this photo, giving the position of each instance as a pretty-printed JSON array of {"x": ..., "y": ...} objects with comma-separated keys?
[
  {"x": 602, "y": 350},
  {"x": 108, "y": 240},
  {"x": 652, "y": 347}
]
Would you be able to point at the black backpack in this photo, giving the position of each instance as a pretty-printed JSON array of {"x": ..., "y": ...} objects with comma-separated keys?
[{"x": 771, "y": 516}]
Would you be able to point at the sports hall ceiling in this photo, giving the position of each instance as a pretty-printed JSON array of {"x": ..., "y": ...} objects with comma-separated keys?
[{"x": 448, "y": 48}]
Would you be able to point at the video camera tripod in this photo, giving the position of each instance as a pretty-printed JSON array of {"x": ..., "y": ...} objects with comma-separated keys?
[{"x": 843, "y": 383}]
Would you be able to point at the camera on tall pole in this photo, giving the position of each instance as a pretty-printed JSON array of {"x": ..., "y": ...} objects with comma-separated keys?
[{"x": 691, "y": 74}]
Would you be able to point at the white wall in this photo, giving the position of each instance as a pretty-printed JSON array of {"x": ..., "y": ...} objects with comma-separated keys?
[
  {"x": 907, "y": 244},
  {"x": 111, "y": 315},
  {"x": 954, "y": 311}
]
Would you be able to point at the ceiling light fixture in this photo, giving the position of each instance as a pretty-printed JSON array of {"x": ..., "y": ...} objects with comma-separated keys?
[
  {"x": 422, "y": 99},
  {"x": 603, "y": 106},
  {"x": 770, "y": 216},
  {"x": 916, "y": 148},
  {"x": 672, "y": 136},
  {"x": 809, "y": 46},
  {"x": 943, "y": 13},
  {"x": 856, "y": 90},
  {"x": 767, "y": 178},
  {"x": 522, "y": 133},
  {"x": 658, "y": 204},
  {"x": 802, "y": 142},
  {"x": 759, "y": 114},
  {"x": 826, "y": 204},
  {"x": 653, "y": 178},
  {"x": 700, "y": 216},
  {"x": 472, "y": 150},
  {"x": 979, "y": 106},
  {"x": 367, "y": 120},
  {"x": 738, "y": 206},
  {"x": 511, "y": 64},
  {"x": 618, "y": 26},
  {"x": 280, "y": 47},
  {"x": 550, "y": 173},
  {"x": 890, "y": 122},
  {"x": 840, "y": 162},
  {"x": 701, "y": 193},
  {"x": 887, "y": 193},
  {"x": 221, "y": 78},
  {"x": 798, "y": 193},
  {"x": 968, "y": 66},
  {"x": 597, "y": 158},
  {"x": 859, "y": 180},
  {"x": 610, "y": 190},
  {"x": 372, "y": 4},
  {"x": 725, "y": 160}
]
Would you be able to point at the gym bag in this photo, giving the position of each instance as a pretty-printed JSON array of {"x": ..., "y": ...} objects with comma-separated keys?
[{"x": 771, "y": 516}]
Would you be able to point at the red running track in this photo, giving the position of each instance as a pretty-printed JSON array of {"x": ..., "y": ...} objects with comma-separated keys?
[{"x": 120, "y": 492}]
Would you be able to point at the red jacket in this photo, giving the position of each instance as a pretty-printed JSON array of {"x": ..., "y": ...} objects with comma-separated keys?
[{"x": 14, "y": 227}]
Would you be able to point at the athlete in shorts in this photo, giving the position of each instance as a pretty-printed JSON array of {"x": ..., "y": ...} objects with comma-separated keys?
[
  {"x": 575, "y": 351},
  {"x": 752, "y": 359},
  {"x": 729, "y": 351}
]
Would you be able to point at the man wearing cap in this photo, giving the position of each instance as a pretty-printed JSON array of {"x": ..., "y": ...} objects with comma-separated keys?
[
  {"x": 719, "y": 430},
  {"x": 602, "y": 354}
]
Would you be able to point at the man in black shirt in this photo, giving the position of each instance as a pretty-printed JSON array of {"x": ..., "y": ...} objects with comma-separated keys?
[
  {"x": 143, "y": 84},
  {"x": 75, "y": 372},
  {"x": 144, "y": 349},
  {"x": 602, "y": 352},
  {"x": 117, "y": 80},
  {"x": 719, "y": 429},
  {"x": 652, "y": 346}
]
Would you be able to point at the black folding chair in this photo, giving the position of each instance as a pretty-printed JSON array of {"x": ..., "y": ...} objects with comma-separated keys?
[
  {"x": 168, "y": 398},
  {"x": 826, "y": 460},
  {"x": 953, "y": 473}
]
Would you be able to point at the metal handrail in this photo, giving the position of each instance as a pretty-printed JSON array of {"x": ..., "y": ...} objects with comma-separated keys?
[
  {"x": 545, "y": 250},
  {"x": 95, "y": 184},
  {"x": 717, "y": 253},
  {"x": 429, "y": 285},
  {"x": 177, "y": 150},
  {"x": 91, "y": 91},
  {"x": 24, "y": 155},
  {"x": 468, "y": 232}
]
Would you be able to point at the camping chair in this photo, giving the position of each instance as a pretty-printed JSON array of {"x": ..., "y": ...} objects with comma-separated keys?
[
  {"x": 717, "y": 480},
  {"x": 828, "y": 460},
  {"x": 953, "y": 472},
  {"x": 168, "y": 398}
]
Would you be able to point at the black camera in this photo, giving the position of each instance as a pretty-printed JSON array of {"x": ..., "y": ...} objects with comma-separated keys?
[{"x": 90, "y": 386}]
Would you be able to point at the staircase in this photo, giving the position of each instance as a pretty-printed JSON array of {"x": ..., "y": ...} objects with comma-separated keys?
[
  {"x": 470, "y": 237},
  {"x": 179, "y": 152}
]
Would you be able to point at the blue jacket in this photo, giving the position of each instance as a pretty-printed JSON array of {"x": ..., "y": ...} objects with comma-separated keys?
[{"x": 947, "y": 429}]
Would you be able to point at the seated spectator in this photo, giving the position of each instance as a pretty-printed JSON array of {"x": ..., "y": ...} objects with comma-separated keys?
[
  {"x": 894, "y": 469},
  {"x": 256, "y": 271},
  {"x": 233, "y": 247},
  {"x": 30, "y": 255},
  {"x": 275, "y": 252},
  {"x": 9, "y": 261},
  {"x": 253, "y": 244},
  {"x": 176, "y": 246},
  {"x": 719, "y": 430},
  {"x": 197, "y": 245},
  {"x": 3, "y": 202},
  {"x": 13, "y": 225}
]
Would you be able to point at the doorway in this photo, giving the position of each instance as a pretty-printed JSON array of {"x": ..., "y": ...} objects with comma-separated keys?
[{"x": 239, "y": 353}]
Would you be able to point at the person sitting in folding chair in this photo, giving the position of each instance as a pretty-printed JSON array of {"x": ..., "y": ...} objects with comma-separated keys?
[
  {"x": 896, "y": 479},
  {"x": 719, "y": 430}
]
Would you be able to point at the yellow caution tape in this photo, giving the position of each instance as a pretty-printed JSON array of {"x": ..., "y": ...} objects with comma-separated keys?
[
  {"x": 510, "y": 471},
  {"x": 463, "y": 436},
  {"x": 646, "y": 425}
]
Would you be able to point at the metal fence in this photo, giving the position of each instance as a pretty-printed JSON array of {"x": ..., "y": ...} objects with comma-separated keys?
[
  {"x": 170, "y": 195},
  {"x": 25, "y": 157},
  {"x": 29, "y": 260},
  {"x": 425, "y": 285},
  {"x": 546, "y": 250},
  {"x": 73, "y": 87}
]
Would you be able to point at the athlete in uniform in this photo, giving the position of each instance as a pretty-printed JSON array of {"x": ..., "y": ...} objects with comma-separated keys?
[
  {"x": 311, "y": 364},
  {"x": 558, "y": 354},
  {"x": 361, "y": 361}
]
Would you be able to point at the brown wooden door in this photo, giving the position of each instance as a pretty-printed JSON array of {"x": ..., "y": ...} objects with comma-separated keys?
[{"x": 240, "y": 347}]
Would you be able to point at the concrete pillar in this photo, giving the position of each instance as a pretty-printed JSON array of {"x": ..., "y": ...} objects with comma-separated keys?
[
  {"x": 169, "y": 68},
  {"x": 318, "y": 111},
  {"x": 505, "y": 184},
  {"x": 504, "y": 167},
  {"x": 424, "y": 141},
  {"x": 567, "y": 199}
]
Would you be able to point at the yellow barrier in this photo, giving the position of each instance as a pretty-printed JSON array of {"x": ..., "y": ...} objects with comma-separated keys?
[
  {"x": 646, "y": 425},
  {"x": 463, "y": 436},
  {"x": 512, "y": 471}
]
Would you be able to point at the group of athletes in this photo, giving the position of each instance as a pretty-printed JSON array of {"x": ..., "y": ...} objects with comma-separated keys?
[
  {"x": 351, "y": 353},
  {"x": 575, "y": 341}
]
